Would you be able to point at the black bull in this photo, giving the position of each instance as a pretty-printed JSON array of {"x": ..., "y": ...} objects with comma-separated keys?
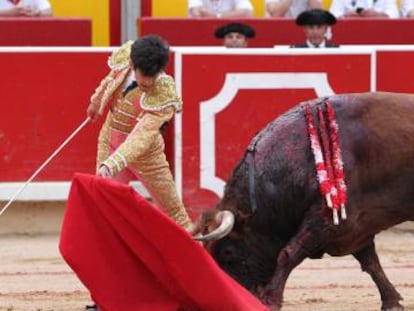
[{"x": 291, "y": 222}]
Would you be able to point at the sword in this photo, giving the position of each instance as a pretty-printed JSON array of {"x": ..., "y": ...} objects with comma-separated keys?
[{"x": 20, "y": 190}]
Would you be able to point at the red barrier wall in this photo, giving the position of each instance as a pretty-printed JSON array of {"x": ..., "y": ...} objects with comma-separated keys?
[
  {"x": 271, "y": 32},
  {"x": 45, "y": 32},
  {"x": 44, "y": 97},
  {"x": 394, "y": 72},
  {"x": 228, "y": 96}
]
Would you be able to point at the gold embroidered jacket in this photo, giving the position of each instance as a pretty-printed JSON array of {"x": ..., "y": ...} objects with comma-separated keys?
[
  {"x": 110, "y": 86},
  {"x": 158, "y": 107}
]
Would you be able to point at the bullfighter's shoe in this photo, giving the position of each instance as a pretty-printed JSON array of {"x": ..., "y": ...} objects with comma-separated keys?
[{"x": 93, "y": 307}]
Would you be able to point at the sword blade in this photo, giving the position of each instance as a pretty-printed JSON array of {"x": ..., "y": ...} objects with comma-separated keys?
[{"x": 67, "y": 140}]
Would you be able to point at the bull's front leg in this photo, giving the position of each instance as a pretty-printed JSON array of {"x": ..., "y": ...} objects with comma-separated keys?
[
  {"x": 370, "y": 263},
  {"x": 306, "y": 243},
  {"x": 272, "y": 294}
]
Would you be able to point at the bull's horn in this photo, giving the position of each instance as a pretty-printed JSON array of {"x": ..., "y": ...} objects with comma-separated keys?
[{"x": 225, "y": 219}]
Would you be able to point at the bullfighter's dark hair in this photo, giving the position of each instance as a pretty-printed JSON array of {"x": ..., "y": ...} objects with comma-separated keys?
[{"x": 150, "y": 54}]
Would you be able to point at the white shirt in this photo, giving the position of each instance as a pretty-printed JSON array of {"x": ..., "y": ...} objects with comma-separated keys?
[
  {"x": 221, "y": 6},
  {"x": 406, "y": 6},
  {"x": 297, "y": 7},
  {"x": 38, "y": 5},
  {"x": 340, "y": 7},
  {"x": 322, "y": 45}
]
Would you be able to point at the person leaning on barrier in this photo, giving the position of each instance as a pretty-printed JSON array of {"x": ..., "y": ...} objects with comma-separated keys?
[
  {"x": 364, "y": 8},
  {"x": 316, "y": 24},
  {"x": 407, "y": 8},
  {"x": 290, "y": 8},
  {"x": 235, "y": 35},
  {"x": 220, "y": 8},
  {"x": 25, "y": 8}
]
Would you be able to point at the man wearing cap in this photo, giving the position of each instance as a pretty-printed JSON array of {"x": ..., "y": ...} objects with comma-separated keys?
[
  {"x": 316, "y": 24},
  {"x": 235, "y": 35}
]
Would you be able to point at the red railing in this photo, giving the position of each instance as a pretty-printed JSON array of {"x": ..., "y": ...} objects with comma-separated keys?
[
  {"x": 271, "y": 32},
  {"x": 45, "y": 32}
]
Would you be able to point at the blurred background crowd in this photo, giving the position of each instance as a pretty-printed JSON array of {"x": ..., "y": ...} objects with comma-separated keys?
[{"x": 115, "y": 21}]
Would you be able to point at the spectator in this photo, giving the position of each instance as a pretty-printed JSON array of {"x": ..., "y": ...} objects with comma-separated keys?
[
  {"x": 235, "y": 35},
  {"x": 365, "y": 8},
  {"x": 220, "y": 8},
  {"x": 407, "y": 8},
  {"x": 25, "y": 8},
  {"x": 290, "y": 8},
  {"x": 316, "y": 24}
]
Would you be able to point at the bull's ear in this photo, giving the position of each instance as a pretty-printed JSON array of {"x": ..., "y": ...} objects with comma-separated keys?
[{"x": 228, "y": 253}]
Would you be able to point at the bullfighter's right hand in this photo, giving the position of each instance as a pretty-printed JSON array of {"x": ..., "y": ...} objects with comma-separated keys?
[
  {"x": 93, "y": 112},
  {"x": 104, "y": 172}
]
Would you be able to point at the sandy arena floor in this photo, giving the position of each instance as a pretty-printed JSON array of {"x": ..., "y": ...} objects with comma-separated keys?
[{"x": 33, "y": 277}]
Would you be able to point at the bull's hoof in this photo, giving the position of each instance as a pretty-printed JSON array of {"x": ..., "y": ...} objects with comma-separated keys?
[
  {"x": 93, "y": 307},
  {"x": 395, "y": 307},
  {"x": 275, "y": 308},
  {"x": 270, "y": 298},
  {"x": 273, "y": 303}
]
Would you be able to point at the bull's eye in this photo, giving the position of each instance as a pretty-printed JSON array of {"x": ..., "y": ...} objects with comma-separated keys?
[{"x": 228, "y": 254}]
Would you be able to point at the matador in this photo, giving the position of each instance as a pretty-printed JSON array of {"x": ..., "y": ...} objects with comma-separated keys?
[{"x": 130, "y": 143}]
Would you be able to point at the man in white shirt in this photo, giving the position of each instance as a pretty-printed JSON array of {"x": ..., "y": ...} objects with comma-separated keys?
[
  {"x": 25, "y": 8},
  {"x": 407, "y": 8},
  {"x": 290, "y": 8},
  {"x": 220, "y": 8},
  {"x": 365, "y": 8}
]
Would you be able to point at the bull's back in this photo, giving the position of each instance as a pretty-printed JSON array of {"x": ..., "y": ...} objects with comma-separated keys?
[
  {"x": 384, "y": 117},
  {"x": 377, "y": 142},
  {"x": 376, "y": 134}
]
